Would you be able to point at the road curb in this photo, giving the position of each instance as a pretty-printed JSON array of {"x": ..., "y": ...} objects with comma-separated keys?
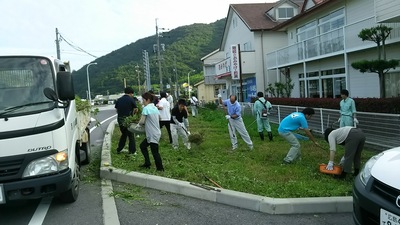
[{"x": 220, "y": 195}]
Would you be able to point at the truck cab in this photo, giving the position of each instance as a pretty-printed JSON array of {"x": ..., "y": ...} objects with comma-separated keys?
[{"x": 40, "y": 137}]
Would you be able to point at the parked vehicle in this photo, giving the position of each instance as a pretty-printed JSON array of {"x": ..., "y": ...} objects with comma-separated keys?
[
  {"x": 376, "y": 191},
  {"x": 43, "y": 139}
]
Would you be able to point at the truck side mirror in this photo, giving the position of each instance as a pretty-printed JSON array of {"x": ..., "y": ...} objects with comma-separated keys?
[{"x": 65, "y": 86}]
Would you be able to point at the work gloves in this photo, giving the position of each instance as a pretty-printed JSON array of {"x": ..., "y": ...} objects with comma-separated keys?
[
  {"x": 227, "y": 117},
  {"x": 355, "y": 120},
  {"x": 329, "y": 166}
]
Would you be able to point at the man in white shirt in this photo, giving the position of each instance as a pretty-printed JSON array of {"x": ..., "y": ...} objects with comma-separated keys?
[
  {"x": 165, "y": 113},
  {"x": 194, "y": 102}
]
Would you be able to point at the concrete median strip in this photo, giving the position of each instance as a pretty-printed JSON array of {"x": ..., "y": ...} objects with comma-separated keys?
[{"x": 224, "y": 196}]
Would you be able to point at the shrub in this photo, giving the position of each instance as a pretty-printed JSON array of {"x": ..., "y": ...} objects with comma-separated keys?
[{"x": 211, "y": 105}]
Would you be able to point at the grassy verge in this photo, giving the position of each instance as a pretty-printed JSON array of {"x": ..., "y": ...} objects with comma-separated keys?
[{"x": 257, "y": 172}]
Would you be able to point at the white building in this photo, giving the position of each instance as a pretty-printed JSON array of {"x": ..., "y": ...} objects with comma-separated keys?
[{"x": 312, "y": 41}]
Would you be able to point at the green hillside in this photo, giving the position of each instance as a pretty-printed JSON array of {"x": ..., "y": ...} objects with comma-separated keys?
[{"x": 184, "y": 47}]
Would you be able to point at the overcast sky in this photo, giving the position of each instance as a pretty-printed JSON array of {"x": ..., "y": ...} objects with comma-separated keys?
[{"x": 96, "y": 26}]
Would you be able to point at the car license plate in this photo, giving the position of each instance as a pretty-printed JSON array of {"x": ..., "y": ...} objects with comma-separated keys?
[
  {"x": 388, "y": 218},
  {"x": 2, "y": 198}
]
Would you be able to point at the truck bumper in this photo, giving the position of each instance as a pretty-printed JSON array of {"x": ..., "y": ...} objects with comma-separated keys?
[
  {"x": 367, "y": 203},
  {"x": 38, "y": 187}
]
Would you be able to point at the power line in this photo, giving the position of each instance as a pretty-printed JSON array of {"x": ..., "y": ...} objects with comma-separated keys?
[{"x": 75, "y": 46}]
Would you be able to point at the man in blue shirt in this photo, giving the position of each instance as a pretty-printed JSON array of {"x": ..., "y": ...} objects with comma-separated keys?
[
  {"x": 293, "y": 122},
  {"x": 235, "y": 121},
  {"x": 347, "y": 110}
]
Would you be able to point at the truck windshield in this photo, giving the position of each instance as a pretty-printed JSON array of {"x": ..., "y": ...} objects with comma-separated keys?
[{"x": 22, "y": 81}]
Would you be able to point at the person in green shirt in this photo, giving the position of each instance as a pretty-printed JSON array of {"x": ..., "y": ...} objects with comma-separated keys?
[
  {"x": 347, "y": 110},
  {"x": 262, "y": 122}
]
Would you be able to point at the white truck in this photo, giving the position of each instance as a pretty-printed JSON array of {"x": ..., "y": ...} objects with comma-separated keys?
[{"x": 43, "y": 139}]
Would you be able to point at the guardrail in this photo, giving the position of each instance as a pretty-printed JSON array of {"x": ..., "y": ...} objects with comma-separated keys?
[{"x": 382, "y": 130}]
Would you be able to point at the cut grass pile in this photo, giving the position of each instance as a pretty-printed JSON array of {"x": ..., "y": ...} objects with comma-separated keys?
[{"x": 257, "y": 172}]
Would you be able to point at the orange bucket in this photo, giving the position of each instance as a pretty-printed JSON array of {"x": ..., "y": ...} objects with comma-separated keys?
[{"x": 337, "y": 170}]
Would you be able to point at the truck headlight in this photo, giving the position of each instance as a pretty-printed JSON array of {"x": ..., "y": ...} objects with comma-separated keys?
[
  {"x": 49, "y": 164},
  {"x": 366, "y": 171}
]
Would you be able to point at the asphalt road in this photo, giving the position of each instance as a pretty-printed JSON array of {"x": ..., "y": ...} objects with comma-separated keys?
[{"x": 146, "y": 206}]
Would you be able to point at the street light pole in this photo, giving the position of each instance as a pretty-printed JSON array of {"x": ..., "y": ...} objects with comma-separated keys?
[
  {"x": 189, "y": 83},
  {"x": 88, "y": 82}
]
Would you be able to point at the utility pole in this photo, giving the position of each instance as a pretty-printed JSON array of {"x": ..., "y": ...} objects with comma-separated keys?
[
  {"x": 159, "y": 57},
  {"x": 58, "y": 44},
  {"x": 138, "y": 76},
  {"x": 146, "y": 69},
  {"x": 176, "y": 79}
]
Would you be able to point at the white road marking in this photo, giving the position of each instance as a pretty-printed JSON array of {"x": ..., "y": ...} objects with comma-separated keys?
[
  {"x": 41, "y": 211},
  {"x": 109, "y": 118}
]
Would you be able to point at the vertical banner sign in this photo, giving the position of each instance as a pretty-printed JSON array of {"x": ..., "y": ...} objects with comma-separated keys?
[
  {"x": 235, "y": 64},
  {"x": 251, "y": 88}
]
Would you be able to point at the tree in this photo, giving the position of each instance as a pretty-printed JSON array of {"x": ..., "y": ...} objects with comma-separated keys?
[
  {"x": 377, "y": 34},
  {"x": 281, "y": 89}
]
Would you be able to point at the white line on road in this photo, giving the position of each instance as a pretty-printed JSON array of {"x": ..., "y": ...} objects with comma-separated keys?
[
  {"x": 109, "y": 118},
  {"x": 41, "y": 211}
]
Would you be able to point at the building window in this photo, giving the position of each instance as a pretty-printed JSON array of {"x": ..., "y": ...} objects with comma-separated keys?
[
  {"x": 392, "y": 84},
  {"x": 330, "y": 83},
  {"x": 307, "y": 31},
  {"x": 331, "y": 21},
  {"x": 313, "y": 88},
  {"x": 302, "y": 88},
  {"x": 312, "y": 74},
  {"x": 247, "y": 46},
  {"x": 285, "y": 13}
]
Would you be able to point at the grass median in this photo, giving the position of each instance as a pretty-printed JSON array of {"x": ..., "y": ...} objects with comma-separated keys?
[{"x": 257, "y": 172}]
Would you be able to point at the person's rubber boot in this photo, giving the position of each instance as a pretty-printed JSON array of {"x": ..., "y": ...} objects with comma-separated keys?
[
  {"x": 356, "y": 172},
  {"x": 270, "y": 136},
  {"x": 261, "y": 135}
]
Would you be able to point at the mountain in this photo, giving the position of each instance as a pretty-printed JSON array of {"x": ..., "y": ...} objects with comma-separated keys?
[{"x": 184, "y": 47}]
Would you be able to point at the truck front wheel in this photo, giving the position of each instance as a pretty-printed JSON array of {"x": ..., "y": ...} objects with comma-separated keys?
[{"x": 72, "y": 194}]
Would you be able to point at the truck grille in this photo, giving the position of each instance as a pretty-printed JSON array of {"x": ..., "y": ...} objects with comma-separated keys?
[
  {"x": 10, "y": 168},
  {"x": 385, "y": 191}
]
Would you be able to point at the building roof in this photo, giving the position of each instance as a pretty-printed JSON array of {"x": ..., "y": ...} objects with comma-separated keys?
[
  {"x": 253, "y": 15},
  {"x": 319, "y": 4}
]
